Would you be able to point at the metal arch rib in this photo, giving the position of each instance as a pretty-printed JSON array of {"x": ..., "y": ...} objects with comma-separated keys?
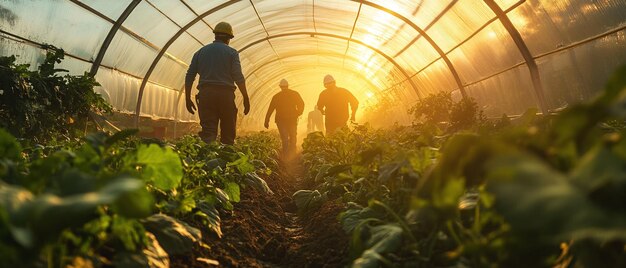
[
  {"x": 128, "y": 31},
  {"x": 432, "y": 42},
  {"x": 166, "y": 47},
  {"x": 107, "y": 41},
  {"x": 226, "y": 4},
  {"x": 378, "y": 51},
  {"x": 264, "y": 28},
  {"x": 528, "y": 57},
  {"x": 172, "y": 20},
  {"x": 358, "y": 14},
  {"x": 437, "y": 18},
  {"x": 487, "y": 23},
  {"x": 195, "y": 13}
]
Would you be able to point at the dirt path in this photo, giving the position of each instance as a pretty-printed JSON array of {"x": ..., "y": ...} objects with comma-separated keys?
[{"x": 265, "y": 231}]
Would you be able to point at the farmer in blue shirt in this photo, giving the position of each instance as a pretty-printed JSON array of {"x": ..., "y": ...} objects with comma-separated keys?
[{"x": 220, "y": 69}]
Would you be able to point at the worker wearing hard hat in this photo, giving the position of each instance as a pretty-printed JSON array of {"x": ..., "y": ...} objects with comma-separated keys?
[
  {"x": 333, "y": 102},
  {"x": 289, "y": 106},
  {"x": 220, "y": 69}
]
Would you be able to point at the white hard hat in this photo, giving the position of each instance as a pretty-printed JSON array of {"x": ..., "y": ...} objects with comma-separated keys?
[
  {"x": 283, "y": 83},
  {"x": 328, "y": 79}
]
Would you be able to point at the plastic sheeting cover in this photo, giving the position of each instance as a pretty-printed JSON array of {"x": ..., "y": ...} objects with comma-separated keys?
[{"x": 576, "y": 44}]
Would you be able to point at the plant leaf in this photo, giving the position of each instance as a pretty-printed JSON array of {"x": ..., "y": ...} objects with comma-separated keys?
[
  {"x": 383, "y": 239},
  {"x": 211, "y": 216},
  {"x": 162, "y": 166},
  {"x": 537, "y": 200},
  {"x": 232, "y": 189},
  {"x": 242, "y": 164},
  {"x": 120, "y": 135},
  {"x": 175, "y": 236},
  {"x": 153, "y": 256},
  {"x": 307, "y": 200},
  {"x": 356, "y": 215},
  {"x": 9, "y": 147},
  {"x": 47, "y": 215},
  {"x": 257, "y": 182}
]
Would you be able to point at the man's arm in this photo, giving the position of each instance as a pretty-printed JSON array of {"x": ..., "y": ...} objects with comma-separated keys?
[
  {"x": 189, "y": 78},
  {"x": 241, "y": 83},
  {"x": 270, "y": 110},
  {"x": 321, "y": 103},
  {"x": 354, "y": 105},
  {"x": 300, "y": 104},
  {"x": 244, "y": 93}
]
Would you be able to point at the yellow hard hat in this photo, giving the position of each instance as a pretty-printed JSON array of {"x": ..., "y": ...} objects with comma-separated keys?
[{"x": 224, "y": 28}]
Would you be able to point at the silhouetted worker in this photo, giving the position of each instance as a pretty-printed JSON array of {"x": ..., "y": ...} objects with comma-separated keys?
[
  {"x": 333, "y": 102},
  {"x": 220, "y": 69},
  {"x": 289, "y": 106},
  {"x": 315, "y": 121}
]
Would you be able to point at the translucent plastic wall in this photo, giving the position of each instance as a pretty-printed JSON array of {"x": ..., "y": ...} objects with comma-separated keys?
[{"x": 383, "y": 49}]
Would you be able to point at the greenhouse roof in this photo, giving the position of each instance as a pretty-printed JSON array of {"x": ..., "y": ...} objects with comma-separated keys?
[{"x": 507, "y": 54}]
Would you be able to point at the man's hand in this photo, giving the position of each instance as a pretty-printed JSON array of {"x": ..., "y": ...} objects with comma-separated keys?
[
  {"x": 246, "y": 106},
  {"x": 267, "y": 124},
  {"x": 191, "y": 107}
]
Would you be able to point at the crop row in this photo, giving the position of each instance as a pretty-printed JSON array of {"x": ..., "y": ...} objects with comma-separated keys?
[
  {"x": 118, "y": 200},
  {"x": 104, "y": 199},
  {"x": 536, "y": 191}
]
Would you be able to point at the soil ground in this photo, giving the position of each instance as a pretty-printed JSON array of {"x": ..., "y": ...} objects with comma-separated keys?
[{"x": 265, "y": 231}]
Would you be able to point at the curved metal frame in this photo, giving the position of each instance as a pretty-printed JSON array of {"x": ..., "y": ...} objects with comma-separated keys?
[
  {"x": 523, "y": 49},
  {"x": 512, "y": 7},
  {"x": 200, "y": 17},
  {"x": 435, "y": 20},
  {"x": 128, "y": 31},
  {"x": 356, "y": 19},
  {"x": 443, "y": 55},
  {"x": 504, "y": 19},
  {"x": 378, "y": 51},
  {"x": 142, "y": 88},
  {"x": 107, "y": 41},
  {"x": 495, "y": 8},
  {"x": 264, "y": 28}
]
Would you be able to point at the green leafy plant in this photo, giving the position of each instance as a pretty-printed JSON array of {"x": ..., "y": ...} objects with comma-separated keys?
[
  {"x": 439, "y": 109},
  {"x": 59, "y": 205},
  {"x": 433, "y": 109},
  {"x": 541, "y": 191},
  {"x": 38, "y": 104}
]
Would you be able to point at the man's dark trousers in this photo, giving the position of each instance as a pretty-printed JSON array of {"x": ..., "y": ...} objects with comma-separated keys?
[
  {"x": 216, "y": 105},
  {"x": 288, "y": 130}
]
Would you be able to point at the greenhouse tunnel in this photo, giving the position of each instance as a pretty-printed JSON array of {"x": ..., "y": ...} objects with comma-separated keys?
[{"x": 508, "y": 55}]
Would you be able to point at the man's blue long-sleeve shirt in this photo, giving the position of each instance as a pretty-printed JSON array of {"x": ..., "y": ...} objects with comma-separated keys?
[{"x": 217, "y": 64}]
